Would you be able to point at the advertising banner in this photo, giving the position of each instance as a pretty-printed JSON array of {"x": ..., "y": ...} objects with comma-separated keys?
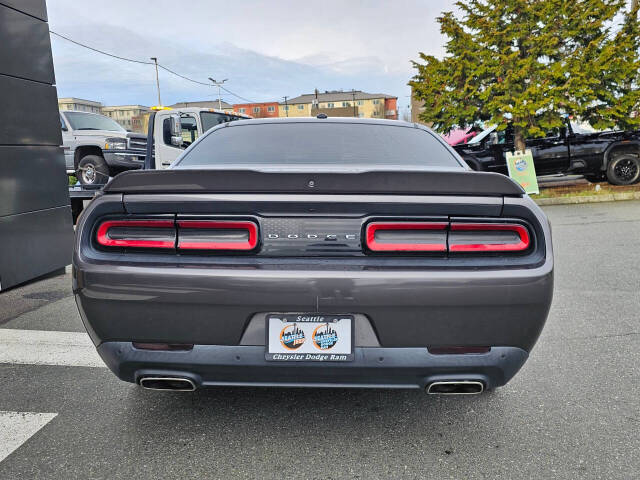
[{"x": 522, "y": 170}]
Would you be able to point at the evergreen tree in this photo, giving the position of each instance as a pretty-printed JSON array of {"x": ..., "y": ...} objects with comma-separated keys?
[{"x": 530, "y": 62}]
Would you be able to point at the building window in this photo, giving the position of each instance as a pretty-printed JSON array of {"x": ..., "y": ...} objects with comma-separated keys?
[
  {"x": 271, "y": 109},
  {"x": 359, "y": 103},
  {"x": 346, "y": 104},
  {"x": 301, "y": 107},
  {"x": 376, "y": 101},
  {"x": 330, "y": 105},
  {"x": 286, "y": 107},
  {"x": 241, "y": 110},
  {"x": 256, "y": 109}
]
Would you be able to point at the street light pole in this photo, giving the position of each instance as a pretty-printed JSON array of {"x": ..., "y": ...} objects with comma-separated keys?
[
  {"x": 286, "y": 106},
  {"x": 155, "y": 59},
  {"x": 217, "y": 84}
]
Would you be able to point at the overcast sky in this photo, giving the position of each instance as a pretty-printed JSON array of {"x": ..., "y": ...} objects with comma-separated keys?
[{"x": 266, "y": 49}]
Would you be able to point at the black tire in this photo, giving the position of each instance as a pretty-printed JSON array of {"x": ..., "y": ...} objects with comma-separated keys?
[
  {"x": 92, "y": 170},
  {"x": 624, "y": 169}
]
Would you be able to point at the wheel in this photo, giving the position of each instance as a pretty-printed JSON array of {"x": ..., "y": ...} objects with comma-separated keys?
[
  {"x": 92, "y": 170},
  {"x": 623, "y": 169}
]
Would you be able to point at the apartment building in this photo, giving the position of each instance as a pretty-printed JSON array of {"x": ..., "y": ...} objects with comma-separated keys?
[
  {"x": 79, "y": 104},
  {"x": 342, "y": 104},
  {"x": 258, "y": 110},
  {"x": 129, "y": 116}
]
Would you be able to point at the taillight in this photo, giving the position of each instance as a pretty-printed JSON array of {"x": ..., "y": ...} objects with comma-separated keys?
[
  {"x": 137, "y": 233},
  {"x": 488, "y": 237},
  {"x": 406, "y": 236},
  {"x": 217, "y": 235}
]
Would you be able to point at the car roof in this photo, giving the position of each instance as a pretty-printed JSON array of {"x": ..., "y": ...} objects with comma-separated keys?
[{"x": 344, "y": 120}]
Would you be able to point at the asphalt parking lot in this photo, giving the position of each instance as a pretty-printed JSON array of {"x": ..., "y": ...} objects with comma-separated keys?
[{"x": 572, "y": 412}]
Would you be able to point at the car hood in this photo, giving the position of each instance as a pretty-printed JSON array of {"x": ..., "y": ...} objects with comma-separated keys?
[{"x": 99, "y": 133}]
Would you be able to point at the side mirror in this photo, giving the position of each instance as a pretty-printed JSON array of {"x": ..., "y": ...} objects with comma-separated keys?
[{"x": 176, "y": 130}]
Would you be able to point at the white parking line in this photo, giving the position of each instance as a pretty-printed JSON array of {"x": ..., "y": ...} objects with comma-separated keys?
[
  {"x": 17, "y": 427},
  {"x": 40, "y": 347}
]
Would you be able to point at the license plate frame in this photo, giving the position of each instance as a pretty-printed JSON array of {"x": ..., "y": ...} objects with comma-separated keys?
[{"x": 325, "y": 337}]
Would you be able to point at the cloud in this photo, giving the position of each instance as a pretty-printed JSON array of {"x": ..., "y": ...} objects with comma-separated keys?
[{"x": 265, "y": 49}]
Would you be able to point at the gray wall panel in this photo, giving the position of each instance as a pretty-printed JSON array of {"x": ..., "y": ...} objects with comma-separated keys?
[
  {"x": 29, "y": 36},
  {"x": 36, "y": 8},
  {"x": 32, "y": 178},
  {"x": 28, "y": 112},
  {"x": 36, "y": 231},
  {"x": 33, "y": 244}
]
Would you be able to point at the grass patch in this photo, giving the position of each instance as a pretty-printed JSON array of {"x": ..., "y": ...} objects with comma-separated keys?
[{"x": 585, "y": 190}]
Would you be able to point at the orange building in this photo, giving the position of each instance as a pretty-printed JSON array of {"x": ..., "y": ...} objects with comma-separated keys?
[{"x": 258, "y": 110}]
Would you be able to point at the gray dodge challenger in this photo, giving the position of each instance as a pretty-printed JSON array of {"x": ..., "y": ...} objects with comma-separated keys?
[{"x": 316, "y": 252}]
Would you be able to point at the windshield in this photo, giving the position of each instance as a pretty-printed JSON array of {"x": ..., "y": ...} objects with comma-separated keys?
[
  {"x": 482, "y": 135},
  {"x": 584, "y": 128},
  {"x": 211, "y": 119},
  {"x": 91, "y": 121},
  {"x": 316, "y": 143}
]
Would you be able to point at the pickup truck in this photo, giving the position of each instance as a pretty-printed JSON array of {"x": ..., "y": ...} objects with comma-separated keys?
[
  {"x": 170, "y": 133},
  {"x": 96, "y": 147},
  {"x": 572, "y": 149}
]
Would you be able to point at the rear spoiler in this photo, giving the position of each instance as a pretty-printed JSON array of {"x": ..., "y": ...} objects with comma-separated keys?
[{"x": 463, "y": 182}]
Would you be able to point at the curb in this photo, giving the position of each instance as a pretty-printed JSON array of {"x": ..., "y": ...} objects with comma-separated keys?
[{"x": 609, "y": 197}]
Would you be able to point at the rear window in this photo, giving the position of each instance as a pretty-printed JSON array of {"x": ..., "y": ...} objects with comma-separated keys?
[{"x": 319, "y": 143}]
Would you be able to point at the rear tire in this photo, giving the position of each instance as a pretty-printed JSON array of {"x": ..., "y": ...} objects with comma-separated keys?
[
  {"x": 92, "y": 170},
  {"x": 624, "y": 169}
]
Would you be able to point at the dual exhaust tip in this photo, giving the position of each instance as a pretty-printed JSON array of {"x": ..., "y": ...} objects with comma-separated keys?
[
  {"x": 455, "y": 387},
  {"x": 176, "y": 384},
  {"x": 448, "y": 387}
]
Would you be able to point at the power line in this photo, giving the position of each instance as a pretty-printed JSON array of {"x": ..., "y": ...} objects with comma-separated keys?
[
  {"x": 236, "y": 95},
  {"x": 145, "y": 63},
  {"x": 100, "y": 51}
]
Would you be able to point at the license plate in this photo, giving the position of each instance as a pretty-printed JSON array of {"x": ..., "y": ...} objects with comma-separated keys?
[{"x": 312, "y": 337}]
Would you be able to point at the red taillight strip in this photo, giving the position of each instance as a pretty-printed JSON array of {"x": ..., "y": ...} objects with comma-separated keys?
[
  {"x": 103, "y": 238},
  {"x": 521, "y": 230},
  {"x": 372, "y": 228},
  {"x": 250, "y": 244}
]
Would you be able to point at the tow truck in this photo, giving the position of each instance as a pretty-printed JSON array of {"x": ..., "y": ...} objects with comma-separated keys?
[{"x": 170, "y": 132}]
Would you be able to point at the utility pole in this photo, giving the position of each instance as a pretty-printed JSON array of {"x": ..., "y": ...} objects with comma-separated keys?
[
  {"x": 286, "y": 106},
  {"x": 155, "y": 59},
  {"x": 353, "y": 93},
  {"x": 217, "y": 84}
]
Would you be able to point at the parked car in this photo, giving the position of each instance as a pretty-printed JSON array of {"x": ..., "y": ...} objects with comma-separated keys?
[
  {"x": 460, "y": 135},
  {"x": 314, "y": 252},
  {"x": 97, "y": 147},
  {"x": 610, "y": 155}
]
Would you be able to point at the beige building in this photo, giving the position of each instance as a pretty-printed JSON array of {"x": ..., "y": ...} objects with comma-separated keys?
[
  {"x": 131, "y": 117},
  {"x": 79, "y": 104},
  {"x": 417, "y": 107},
  {"x": 342, "y": 104}
]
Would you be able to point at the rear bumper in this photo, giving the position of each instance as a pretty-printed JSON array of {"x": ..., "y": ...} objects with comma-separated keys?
[
  {"x": 213, "y": 306},
  {"x": 218, "y": 365}
]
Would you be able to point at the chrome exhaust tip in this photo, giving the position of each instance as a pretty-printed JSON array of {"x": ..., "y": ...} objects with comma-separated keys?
[
  {"x": 176, "y": 384},
  {"x": 455, "y": 387}
]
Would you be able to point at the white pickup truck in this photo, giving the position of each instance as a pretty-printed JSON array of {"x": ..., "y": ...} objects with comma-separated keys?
[
  {"x": 99, "y": 150},
  {"x": 96, "y": 147}
]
